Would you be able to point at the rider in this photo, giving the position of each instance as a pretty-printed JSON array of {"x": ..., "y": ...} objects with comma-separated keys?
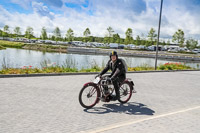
[{"x": 118, "y": 74}]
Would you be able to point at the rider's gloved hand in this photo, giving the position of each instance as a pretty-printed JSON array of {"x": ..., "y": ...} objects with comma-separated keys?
[{"x": 97, "y": 76}]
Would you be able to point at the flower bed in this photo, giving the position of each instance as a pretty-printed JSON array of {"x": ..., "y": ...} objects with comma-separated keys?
[
  {"x": 174, "y": 66},
  {"x": 61, "y": 69}
]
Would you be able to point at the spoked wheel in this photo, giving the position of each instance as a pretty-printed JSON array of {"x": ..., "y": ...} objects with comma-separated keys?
[
  {"x": 125, "y": 92},
  {"x": 89, "y": 96}
]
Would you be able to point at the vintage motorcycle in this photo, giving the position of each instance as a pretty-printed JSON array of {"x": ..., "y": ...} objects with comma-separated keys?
[{"x": 102, "y": 89}]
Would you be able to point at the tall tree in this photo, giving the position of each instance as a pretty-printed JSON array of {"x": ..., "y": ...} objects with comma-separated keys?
[
  {"x": 57, "y": 33},
  {"x": 110, "y": 33},
  {"x": 86, "y": 33},
  {"x": 70, "y": 35},
  {"x": 151, "y": 36},
  {"x": 178, "y": 37},
  {"x": 138, "y": 41},
  {"x": 29, "y": 32},
  {"x": 44, "y": 33},
  {"x": 5, "y": 31},
  {"x": 17, "y": 31},
  {"x": 191, "y": 44},
  {"x": 129, "y": 36},
  {"x": 6, "y": 28},
  {"x": 1, "y": 32}
]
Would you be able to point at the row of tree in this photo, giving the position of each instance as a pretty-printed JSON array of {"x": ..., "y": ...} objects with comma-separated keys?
[{"x": 110, "y": 37}]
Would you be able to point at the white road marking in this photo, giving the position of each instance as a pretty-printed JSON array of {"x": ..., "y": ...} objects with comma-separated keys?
[{"x": 117, "y": 125}]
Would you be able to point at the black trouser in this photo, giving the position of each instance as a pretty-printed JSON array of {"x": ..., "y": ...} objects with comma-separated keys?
[{"x": 116, "y": 82}]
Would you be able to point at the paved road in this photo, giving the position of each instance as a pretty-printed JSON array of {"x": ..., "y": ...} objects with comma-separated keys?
[{"x": 167, "y": 102}]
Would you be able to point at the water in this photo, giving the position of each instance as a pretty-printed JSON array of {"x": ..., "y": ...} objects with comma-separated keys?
[{"x": 18, "y": 58}]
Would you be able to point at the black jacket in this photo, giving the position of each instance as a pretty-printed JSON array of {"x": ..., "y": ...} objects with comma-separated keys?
[{"x": 118, "y": 69}]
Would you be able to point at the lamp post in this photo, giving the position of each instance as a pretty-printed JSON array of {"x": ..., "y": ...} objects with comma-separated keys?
[{"x": 158, "y": 35}]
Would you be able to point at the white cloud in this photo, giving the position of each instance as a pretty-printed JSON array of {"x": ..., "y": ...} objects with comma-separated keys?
[
  {"x": 119, "y": 15},
  {"x": 42, "y": 10},
  {"x": 23, "y": 3}
]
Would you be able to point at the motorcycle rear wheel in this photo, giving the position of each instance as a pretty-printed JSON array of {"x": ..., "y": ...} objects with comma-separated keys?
[{"x": 125, "y": 92}]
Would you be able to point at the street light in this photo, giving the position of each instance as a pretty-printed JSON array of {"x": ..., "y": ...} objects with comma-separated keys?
[{"x": 158, "y": 35}]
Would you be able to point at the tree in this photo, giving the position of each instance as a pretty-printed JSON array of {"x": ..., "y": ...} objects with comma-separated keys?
[
  {"x": 57, "y": 34},
  {"x": 1, "y": 33},
  {"x": 110, "y": 34},
  {"x": 53, "y": 38},
  {"x": 17, "y": 31},
  {"x": 29, "y": 32},
  {"x": 164, "y": 43},
  {"x": 138, "y": 41},
  {"x": 148, "y": 43},
  {"x": 91, "y": 39},
  {"x": 168, "y": 42},
  {"x": 70, "y": 34},
  {"x": 110, "y": 31},
  {"x": 178, "y": 37},
  {"x": 106, "y": 40},
  {"x": 129, "y": 36},
  {"x": 115, "y": 38},
  {"x": 151, "y": 35},
  {"x": 6, "y": 28},
  {"x": 86, "y": 33},
  {"x": 191, "y": 44},
  {"x": 5, "y": 31},
  {"x": 44, "y": 33}
]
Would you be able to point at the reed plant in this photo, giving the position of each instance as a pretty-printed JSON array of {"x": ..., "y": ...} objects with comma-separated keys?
[{"x": 143, "y": 67}]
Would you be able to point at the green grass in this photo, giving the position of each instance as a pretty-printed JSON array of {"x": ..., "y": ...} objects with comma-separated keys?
[
  {"x": 42, "y": 47},
  {"x": 11, "y": 44}
]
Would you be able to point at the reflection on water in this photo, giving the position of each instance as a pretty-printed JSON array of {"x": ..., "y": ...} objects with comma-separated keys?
[{"x": 17, "y": 58}]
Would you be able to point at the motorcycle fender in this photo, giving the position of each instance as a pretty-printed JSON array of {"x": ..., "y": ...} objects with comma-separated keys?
[{"x": 89, "y": 83}]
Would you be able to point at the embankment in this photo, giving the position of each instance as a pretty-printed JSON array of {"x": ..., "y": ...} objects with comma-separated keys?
[{"x": 134, "y": 53}]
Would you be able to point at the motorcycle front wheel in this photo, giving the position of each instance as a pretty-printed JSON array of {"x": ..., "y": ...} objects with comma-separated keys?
[{"x": 89, "y": 96}]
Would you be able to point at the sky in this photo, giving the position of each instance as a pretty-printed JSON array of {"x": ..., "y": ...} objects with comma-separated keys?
[{"x": 98, "y": 15}]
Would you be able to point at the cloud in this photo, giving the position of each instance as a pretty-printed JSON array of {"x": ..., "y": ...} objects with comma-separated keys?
[
  {"x": 24, "y": 20},
  {"x": 42, "y": 10},
  {"x": 140, "y": 15},
  {"x": 23, "y": 3},
  {"x": 179, "y": 17}
]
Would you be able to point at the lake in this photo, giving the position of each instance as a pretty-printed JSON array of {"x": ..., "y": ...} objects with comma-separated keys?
[{"x": 18, "y": 58}]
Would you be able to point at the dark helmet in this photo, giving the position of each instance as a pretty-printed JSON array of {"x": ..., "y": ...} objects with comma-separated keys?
[{"x": 113, "y": 53}]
